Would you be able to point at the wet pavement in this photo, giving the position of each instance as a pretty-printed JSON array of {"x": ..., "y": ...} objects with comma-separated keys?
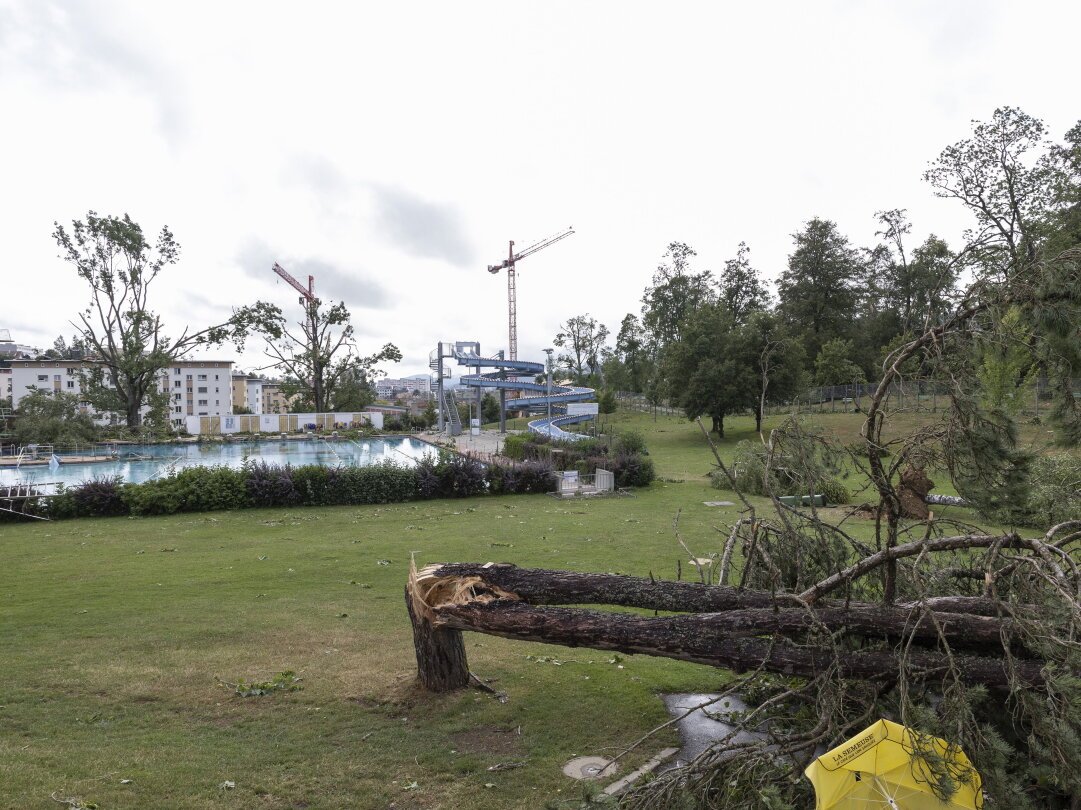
[{"x": 698, "y": 730}]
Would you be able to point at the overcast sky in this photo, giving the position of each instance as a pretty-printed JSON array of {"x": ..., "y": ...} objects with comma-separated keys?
[{"x": 392, "y": 149}]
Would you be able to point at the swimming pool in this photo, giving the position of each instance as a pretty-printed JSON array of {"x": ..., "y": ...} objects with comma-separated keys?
[{"x": 138, "y": 463}]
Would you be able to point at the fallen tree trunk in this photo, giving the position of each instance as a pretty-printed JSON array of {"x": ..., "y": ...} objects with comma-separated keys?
[
  {"x": 543, "y": 586},
  {"x": 945, "y": 500},
  {"x": 696, "y": 639},
  {"x": 744, "y": 630}
]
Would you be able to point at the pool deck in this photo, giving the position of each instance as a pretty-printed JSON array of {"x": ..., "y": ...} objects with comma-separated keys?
[{"x": 14, "y": 461}]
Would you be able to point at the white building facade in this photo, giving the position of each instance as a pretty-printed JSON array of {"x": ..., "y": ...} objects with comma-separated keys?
[
  {"x": 389, "y": 387},
  {"x": 193, "y": 387}
]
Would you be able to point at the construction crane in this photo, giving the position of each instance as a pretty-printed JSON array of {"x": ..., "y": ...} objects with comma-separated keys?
[
  {"x": 309, "y": 293},
  {"x": 508, "y": 264}
]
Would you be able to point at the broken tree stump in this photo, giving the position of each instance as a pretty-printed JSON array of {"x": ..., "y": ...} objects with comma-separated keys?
[{"x": 441, "y": 662}]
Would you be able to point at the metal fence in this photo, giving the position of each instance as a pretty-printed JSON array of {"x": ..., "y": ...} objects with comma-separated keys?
[{"x": 920, "y": 395}]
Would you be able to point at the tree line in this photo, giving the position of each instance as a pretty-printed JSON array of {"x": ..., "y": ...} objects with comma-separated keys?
[{"x": 722, "y": 343}]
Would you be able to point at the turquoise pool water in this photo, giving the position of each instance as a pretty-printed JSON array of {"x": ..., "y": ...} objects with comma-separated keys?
[{"x": 138, "y": 463}]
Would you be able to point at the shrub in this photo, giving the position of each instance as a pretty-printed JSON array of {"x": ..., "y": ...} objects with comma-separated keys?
[
  {"x": 311, "y": 483},
  {"x": 834, "y": 491},
  {"x": 461, "y": 477},
  {"x": 530, "y": 477},
  {"x": 514, "y": 446},
  {"x": 98, "y": 497},
  {"x": 195, "y": 489},
  {"x": 1054, "y": 492},
  {"x": 268, "y": 485},
  {"x": 631, "y": 469},
  {"x": 631, "y": 441}
]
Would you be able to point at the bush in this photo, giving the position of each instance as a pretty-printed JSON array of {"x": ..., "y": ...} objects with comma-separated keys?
[
  {"x": 631, "y": 441},
  {"x": 514, "y": 446},
  {"x": 530, "y": 477},
  {"x": 631, "y": 469},
  {"x": 748, "y": 468},
  {"x": 834, "y": 491},
  {"x": 99, "y": 497},
  {"x": 270, "y": 486},
  {"x": 195, "y": 489},
  {"x": 1054, "y": 491}
]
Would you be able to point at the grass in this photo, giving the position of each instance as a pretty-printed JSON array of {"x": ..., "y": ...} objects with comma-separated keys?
[{"x": 115, "y": 630}]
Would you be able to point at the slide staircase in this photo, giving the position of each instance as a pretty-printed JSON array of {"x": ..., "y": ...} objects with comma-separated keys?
[{"x": 520, "y": 375}]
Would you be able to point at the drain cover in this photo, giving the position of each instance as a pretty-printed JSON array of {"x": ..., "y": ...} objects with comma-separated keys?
[{"x": 590, "y": 768}]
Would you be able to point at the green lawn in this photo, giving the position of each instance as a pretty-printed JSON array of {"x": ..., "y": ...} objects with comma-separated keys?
[{"x": 114, "y": 631}]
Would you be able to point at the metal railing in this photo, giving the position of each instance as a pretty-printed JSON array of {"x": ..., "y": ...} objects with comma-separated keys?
[{"x": 916, "y": 395}]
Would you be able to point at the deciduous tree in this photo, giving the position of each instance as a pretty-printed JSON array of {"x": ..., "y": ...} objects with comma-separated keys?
[{"x": 119, "y": 327}]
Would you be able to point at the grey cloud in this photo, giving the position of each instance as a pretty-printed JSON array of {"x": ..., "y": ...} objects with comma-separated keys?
[
  {"x": 318, "y": 175},
  {"x": 70, "y": 45},
  {"x": 422, "y": 228},
  {"x": 414, "y": 225},
  {"x": 353, "y": 286}
]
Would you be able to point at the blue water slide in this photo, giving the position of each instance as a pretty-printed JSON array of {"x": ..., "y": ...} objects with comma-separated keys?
[{"x": 532, "y": 402}]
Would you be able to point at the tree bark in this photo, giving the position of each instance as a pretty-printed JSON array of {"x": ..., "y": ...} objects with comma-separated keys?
[
  {"x": 541, "y": 586},
  {"x": 441, "y": 661},
  {"x": 696, "y": 639}
]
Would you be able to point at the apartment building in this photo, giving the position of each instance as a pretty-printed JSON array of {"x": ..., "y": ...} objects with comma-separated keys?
[
  {"x": 248, "y": 392},
  {"x": 274, "y": 401},
  {"x": 389, "y": 387},
  {"x": 193, "y": 387},
  {"x": 199, "y": 388}
]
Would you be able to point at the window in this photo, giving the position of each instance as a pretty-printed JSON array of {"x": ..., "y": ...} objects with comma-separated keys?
[
  {"x": 71, "y": 383},
  {"x": 202, "y": 377},
  {"x": 203, "y": 413},
  {"x": 178, "y": 409},
  {"x": 215, "y": 376},
  {"x": 56, "y": 377},
  {"x": 43, "y": 378},
  {"x": 216, "y": 402},
  {"x": 215, "y": 390},
  {"x": 189, "y": 377},
  {"x": 176, "y": 371},
  {"x": 176, "y": 397},
  {"x": 176, "y": 383},
  {"x": 202, "y": 402},
  {"x": 202, "y": 389},
  {"x": 71, "y": 372}
]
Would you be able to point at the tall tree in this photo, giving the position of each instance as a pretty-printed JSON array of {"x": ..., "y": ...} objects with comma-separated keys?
[
  {"x": 633, "y": 353},
  {"x": 742, "y": 290},
  {"x": 677, "y": 292},
  {"x": 834, "y": 364},
  {"x": 708, "y": 373},
  {"x": 1004, "y": 175},
  {"x": 320, "y": 355},
  {"x": 582, "y": 339},
  {"x": 777, "y": 358},
  {"x": 817, "y": 293},
  {"x": 119, "y": 328}
]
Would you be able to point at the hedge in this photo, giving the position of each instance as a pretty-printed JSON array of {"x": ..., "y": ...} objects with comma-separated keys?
[{"x": 257, "y": 484}]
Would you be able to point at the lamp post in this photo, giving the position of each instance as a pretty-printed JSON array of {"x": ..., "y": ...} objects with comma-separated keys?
[{"x": 548, "y": 366}]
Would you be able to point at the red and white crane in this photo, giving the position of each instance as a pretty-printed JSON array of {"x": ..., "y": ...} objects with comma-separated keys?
[
  {"x": 508, "y": 264},
  {"x": 308, "y": 293}
]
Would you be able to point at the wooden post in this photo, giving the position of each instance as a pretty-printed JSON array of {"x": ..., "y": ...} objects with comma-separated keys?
[{"x": 441, "y": 661}]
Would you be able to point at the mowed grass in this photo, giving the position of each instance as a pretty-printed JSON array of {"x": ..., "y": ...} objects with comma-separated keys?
[{"x": 114, "y": 632}]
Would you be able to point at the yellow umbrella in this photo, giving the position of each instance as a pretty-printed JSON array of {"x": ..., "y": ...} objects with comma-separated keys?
[{"x": 885, "y": 766}]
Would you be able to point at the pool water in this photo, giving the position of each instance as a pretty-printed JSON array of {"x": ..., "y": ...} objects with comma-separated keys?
[{"x": 138, "y": 463}]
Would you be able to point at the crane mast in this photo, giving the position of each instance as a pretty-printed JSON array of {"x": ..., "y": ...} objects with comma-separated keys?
[{"x": 509, "y": 264}]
